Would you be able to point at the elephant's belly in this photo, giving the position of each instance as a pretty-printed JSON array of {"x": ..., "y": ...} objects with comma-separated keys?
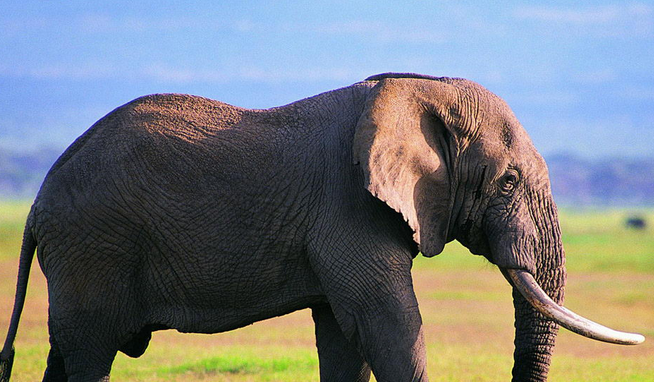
[
  {"x": 218, "y": 300},
  {"x": 216, "y": 320}
]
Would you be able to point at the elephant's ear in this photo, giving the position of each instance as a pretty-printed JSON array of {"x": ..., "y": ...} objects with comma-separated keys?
[{"x": 405, "y": 146}]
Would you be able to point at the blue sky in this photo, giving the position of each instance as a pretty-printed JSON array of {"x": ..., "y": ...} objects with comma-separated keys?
[{"x": 580, "y": 77}]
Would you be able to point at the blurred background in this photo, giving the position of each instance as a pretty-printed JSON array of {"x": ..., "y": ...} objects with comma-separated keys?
[{"x": 579, "y": 76}]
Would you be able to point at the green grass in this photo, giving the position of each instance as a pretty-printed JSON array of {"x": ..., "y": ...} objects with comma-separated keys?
[
  {"x": 248, "y": 363},
  {"x": 465, "y": 304},
  {"x": 608, "y": 369},
  {"x": 598, "y": 240}
]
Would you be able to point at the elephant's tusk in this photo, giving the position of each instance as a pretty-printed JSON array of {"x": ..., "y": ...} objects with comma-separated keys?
[{"x": 525, "y": 283}]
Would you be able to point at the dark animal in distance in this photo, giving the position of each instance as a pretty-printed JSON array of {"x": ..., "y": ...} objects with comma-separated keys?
[{"x": 636, "y": 222}]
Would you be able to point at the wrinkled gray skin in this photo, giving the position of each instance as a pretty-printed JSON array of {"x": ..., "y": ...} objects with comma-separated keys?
[{"x": 181, "y": 212}]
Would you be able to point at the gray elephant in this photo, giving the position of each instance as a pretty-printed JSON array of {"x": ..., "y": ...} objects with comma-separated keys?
[{"x": 180, "y": 212}]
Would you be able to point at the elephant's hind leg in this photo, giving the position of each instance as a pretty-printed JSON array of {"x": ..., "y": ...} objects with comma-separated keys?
[
  {"x": 339, "y": 359},
  {"x": 55, "y": 370},
  {"x": 86, "y": 357},
  {"x": 86, "y": 340}
]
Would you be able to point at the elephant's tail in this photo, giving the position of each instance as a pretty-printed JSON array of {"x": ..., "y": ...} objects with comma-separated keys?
[{"x": 26, "y": 256}]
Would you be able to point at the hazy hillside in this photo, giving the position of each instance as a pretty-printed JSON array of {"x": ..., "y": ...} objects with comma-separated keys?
[
  {"x": 21, "y": 173},
  {"x": 575, "y": 181},
  {"x": 615, "y": 181}
]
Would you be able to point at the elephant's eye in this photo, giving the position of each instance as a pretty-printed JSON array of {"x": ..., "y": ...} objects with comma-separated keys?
[{"x": 509, "y": 181}]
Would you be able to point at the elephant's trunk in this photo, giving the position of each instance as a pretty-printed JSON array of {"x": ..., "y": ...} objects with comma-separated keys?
[
  {"x": 537, "y": 299},
  {"x": 535, "y": 334},
  {"x": 540, "y": 251}
]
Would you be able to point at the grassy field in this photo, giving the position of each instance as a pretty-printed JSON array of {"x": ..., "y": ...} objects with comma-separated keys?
[{"x": 465, "y": 303}]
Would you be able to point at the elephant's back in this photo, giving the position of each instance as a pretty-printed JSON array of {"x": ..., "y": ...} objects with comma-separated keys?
[
  {"x": 155, "y": 144},
  {"x": 167, "y": 148},
  {"x": 154, "y": 153},
  {"x": 151, "y": 120}
]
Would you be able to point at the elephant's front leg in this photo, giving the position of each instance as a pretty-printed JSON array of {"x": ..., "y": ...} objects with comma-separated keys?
[
  {"x": 391, "y": 339},
  {"x": 339, "y": 358},
  {"x": 377, "y": 311}
]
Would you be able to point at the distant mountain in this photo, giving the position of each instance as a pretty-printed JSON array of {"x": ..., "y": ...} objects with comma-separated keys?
[
  {"x": 575, "y": 181},
  {"x": 22, "y": 172},
  {"x": 613, "y": 181}
]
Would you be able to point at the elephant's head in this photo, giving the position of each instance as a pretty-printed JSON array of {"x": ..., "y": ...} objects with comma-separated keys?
[{"x": 451, "y": 157}]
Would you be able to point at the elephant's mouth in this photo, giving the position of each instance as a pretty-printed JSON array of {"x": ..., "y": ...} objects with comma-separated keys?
[{"x": 534, "y": 294}]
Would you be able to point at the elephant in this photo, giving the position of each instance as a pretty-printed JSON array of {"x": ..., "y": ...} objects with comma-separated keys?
[{"x": 180, "y": 212}]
